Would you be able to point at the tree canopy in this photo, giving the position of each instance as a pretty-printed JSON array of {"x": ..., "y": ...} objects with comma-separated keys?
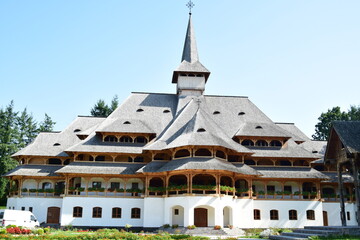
[
  {"x": 101, "y": 109},
  {"x": 322, "y": 128},
  {"x": 17, "y": 129}
]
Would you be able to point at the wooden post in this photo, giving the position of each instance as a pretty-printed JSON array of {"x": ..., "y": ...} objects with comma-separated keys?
[
  {"x": 341, "y": 186},
  {"x": 356, "y": 185}
]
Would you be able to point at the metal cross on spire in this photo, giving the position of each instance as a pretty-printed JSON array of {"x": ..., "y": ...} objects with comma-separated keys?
[{"x": 190, "y": 5}]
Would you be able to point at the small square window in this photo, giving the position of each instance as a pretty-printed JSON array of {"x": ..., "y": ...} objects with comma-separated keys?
[
  {"x": 31, "y": 209},
  {"x": 176, "y": 211},
  {"x": 22, "y": 208}
]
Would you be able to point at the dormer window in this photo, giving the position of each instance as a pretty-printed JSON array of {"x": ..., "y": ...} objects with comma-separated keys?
[
  {"x": 216, "y": 112},
  {"x": 258, "y": 127},
  {"x": 241, "y": 113},
  {"x": 127, "y": 122},
  {"x": 77, "y": 130},
  {"x": 140, "y": 110},
  {"x": 166, "y": 111},
  {"x": 315, "y": 152},
  {"x": 201, "y": 130},
  {"x": 191, "y": 75},
  {"x": 56, "y": 144}
]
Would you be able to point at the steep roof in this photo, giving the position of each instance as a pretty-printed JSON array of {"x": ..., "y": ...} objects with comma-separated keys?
[
  {"x": 193, "y": 126},
  {"x": 54, "y": 144},
  {"x": 251, "y": 129},
  {"x": 296, "y": 134},
  {"x": 349, "y": 134},
  {"x": 190, "y": 58}
]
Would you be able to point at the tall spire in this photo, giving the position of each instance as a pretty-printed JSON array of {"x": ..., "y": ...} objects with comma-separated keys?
[
  {"x": 190, "y": 63},
  {"x": 190, "y": 53}
]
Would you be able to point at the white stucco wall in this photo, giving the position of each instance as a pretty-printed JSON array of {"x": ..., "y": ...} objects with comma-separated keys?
[
  {"x": 40, "y": 205},
  {"x": 88, "y": 203},
  {"x": 283, "y": 207},
  {"x": 333, "y": 210}
]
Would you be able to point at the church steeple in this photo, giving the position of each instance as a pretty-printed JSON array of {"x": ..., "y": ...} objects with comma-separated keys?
[{"x": 191, "y": 75}]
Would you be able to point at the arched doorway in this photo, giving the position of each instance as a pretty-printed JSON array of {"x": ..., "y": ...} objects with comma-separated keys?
[
  {"x": 53, "y": 215},
  {"x": 200, "y": 217},
  {"x": 227, "y": 216},
  {"x": 177, "y": 215}
]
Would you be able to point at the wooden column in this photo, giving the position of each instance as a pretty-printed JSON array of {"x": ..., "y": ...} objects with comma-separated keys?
[
  {"x": 250, "y": 183},
  {"x": 356, "y": 185},
  {"x": 217, "y": 184},
  {"x": 146, "y": 186},
  {"x": 341, "y": 191},
  {"x": 318, "y": 188}
]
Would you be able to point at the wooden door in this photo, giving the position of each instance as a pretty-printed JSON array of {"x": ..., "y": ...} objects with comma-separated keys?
[
  {"x": 53, "y": 215},
  {"x": 325, "y": 218},
  {"x": 201, "y": 217}
]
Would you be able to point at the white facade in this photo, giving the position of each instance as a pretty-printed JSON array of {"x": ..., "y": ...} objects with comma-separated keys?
[{"x": 157, "y": 211}]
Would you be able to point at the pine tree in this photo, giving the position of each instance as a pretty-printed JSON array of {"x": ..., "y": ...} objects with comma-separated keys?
[
  {"x": 47, "y": 125},
  {"x": 101, "y": 109}
]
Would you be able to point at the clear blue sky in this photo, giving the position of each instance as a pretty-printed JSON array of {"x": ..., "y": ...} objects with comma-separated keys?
[{"x": 294, "y": 59}]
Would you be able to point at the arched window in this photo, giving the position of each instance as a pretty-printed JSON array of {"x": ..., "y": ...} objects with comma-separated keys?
[
  {"x": 140, "y": 139},
  {"x": 284, "y": 163},
  {"x": 310, "y": 215},
  {"x": 220, "y": 154},
  {"x": 241, "y": 113},
  {"x": 116, "y": 212},
  {"x": 162, "y": 156},
  {"x": 203, "y": 152},
  {"x": 46, "y": 185},
  {"x": 201, "y": 130},
  {"x": 77, "y": 212},
  {"x": 247, "y": 142},
  {"x": 67, "y": 161},
  {"x": 54, "y": 161},
  {"x": 182, "y": 153},
  {"x": 135, "y": 213},
  {"x": 126, "y": 139},
  {"x": 292, "y": 215},
  {"x": 249, "y": 162},
  {"x": 139, "y": 159},
  {"x": 234, "y": 158},
  {"x": 216, "y": 112},
  {"x": 275, "y": 143},
  {"x": 110, "y": 139},
  {"x": 166, "y": 111},
  {"x": 97, "y": 211},
  {"x": 265, "y": 162},
  {"x": 274, "y": 214},
  {"x": 140, "y": 110},
  {"x": 261, "y": 143},
  {"x": 258, "y": 127},
  {"x": 257, "y": 214},
  {"x": 100, "y": 159}
]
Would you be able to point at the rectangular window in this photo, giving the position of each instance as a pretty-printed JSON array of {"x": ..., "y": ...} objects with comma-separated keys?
[
  {"x": 176, "y": 211},
  {"x": 96, "y": 184},
  {"x": 116, "y": 213},
  {"x": 274, "y": 215},
  {"x": 135, "y": 213},
  {"x": 310, "y": 214},
  {"x": 257, "y": 214},
  {"x": 22, "y": 208},
  {"x": 292, "y": 215},
  {"x": 77, "y": 212},
  {"x": 115, "y": 185},
  {"x": 348, "y": 216},
  {"x": 134, "y": 185},
  {"x": 270, "y": 188},
  {"x": 97, "y": 212},
  {"x": 31, "y": 209}
]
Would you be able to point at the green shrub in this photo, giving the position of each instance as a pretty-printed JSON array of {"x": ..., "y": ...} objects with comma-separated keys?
[
  {"x": 166, "y": 226},
  {"x": 174, "y": 226},
  {"x": 2, "y": 230},
  {"x": 180, "y": 236},
  {"x": 40, "y": 231}
]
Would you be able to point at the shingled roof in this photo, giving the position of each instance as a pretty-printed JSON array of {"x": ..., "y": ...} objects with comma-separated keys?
[
  {"x": 193, "y": 126},
  {"x": 55, "y": 143},
  {"x": 34, "y": 170},
  {"x": 205, "y": 164},
  {"x": 258, "y": 129},
  {"x": 349, "y": 134},
  {"x": 101, "y": 168},
  {"x": 290, "y": 172}
]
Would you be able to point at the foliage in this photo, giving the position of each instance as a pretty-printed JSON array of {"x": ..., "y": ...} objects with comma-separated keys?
[
  {"x": 101, "y": 109},
  {"x": 157, "y": 189},
  {"x": 204, "y": 187},
  {"x": 177, "y": 187},
  {"x": 217, "y": 227},
  {"x": 322, "y": 128},
  {"x": 227, "y": 189},
  {"x": 17, "y": 129},
  {"x": 191, "y": 227}
]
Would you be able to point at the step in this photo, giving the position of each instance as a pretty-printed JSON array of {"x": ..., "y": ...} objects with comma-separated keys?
[
  {"x": 328, "y": 228},
  {"x": 316, "y": 232},
  {"x": 299, "y": 235},
  {"x": 282, "y": 237}
]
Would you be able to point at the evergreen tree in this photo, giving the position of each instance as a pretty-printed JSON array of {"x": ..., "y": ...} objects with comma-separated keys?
[
  {"x": 16, "y": 131},
  {"x": 47, "y": 125},
  {"x": 322, "y": 128},
  {"x": 101, "y": 109}
]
